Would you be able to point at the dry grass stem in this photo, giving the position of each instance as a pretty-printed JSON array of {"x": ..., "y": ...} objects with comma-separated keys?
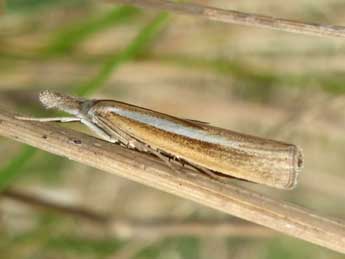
[
  {"x": 242, "y": 18},
  {"x": 143, "y": 168}
]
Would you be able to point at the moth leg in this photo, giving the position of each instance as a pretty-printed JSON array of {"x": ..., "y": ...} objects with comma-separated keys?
[
  {"x": 204, "y": 171},
  {"x": 56, "y": 119},
  {"x": 100, "y": 131},
  {"x": 134, "y": 143},
  {"x": 162, "y": 157},
  {"x": 125, "y": 139},
  {"x": 116, "y": 133},
  {"x": 131, "y": 142}
]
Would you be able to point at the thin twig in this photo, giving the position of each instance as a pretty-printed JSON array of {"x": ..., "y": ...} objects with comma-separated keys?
[
  {"x": 48, "y": 204},
  {"x": 143, "y": 168},
  {"x": 242, "y": 18},
  {"x": 141, "y": 228},
  {"x": 160, "y": 228}
]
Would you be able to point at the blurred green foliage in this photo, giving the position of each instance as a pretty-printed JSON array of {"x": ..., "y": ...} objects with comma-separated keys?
[
  {"x": 258, "y": 84},
  {"x": 46, "y": 237},
  {"x": 68, "y": 38},
  {"x": 32, "y": 5},
  {"x": 80, "y": 246},
  {"x": 182, "y": 247},
  {"x": 14, "y": 168},
  {"x": 133, "y": 49}
]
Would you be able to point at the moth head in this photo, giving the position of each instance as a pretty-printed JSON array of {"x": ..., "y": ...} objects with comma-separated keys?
[{"x": 69, "y": 104}]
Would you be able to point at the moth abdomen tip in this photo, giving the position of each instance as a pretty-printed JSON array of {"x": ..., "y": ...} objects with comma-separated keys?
[{"x": 296, "y": 168}]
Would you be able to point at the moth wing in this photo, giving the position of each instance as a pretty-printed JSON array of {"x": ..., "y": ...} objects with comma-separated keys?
[{"x": 199, "y": 123}]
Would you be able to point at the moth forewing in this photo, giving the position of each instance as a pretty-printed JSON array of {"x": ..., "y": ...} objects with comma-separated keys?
[{"x": 238, "y": 155}]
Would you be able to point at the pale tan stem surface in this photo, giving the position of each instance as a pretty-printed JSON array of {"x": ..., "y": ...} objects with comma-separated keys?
[
  {"x": 146, "y": 169},
  {"x": 242, "y": 18}
]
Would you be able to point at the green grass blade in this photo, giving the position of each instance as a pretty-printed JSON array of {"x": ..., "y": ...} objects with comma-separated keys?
[
  {"x": 13, "y": 169},
  {"x": 66, "y": 40},
  {"x": 78, "y": 245},
  {"x": 34, "y": 5},
  {"x": 135, "y": 48}
]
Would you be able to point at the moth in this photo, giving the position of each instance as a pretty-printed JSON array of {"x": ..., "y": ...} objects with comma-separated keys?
[{"x": 198, "y": 144}]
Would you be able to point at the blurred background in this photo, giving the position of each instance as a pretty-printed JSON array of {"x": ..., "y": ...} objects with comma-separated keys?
[{"x": 267, "y": 83}]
